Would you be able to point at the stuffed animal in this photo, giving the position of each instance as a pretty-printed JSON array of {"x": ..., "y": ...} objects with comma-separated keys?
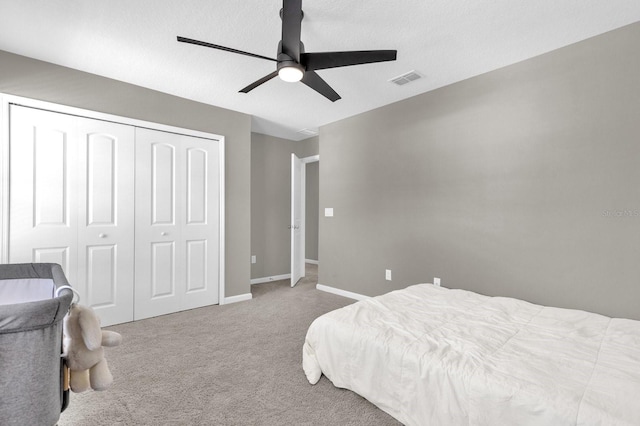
[{"x": 83, "y": 349}]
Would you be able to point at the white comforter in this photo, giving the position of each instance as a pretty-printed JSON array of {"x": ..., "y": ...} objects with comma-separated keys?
[{"x": 429, "y": 355}]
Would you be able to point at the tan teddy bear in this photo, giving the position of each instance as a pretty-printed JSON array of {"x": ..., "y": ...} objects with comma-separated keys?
[{"x": 83, "y": 349}]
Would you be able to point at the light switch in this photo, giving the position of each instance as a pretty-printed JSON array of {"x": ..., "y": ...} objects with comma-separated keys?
[{"x": 328, "y": 212}]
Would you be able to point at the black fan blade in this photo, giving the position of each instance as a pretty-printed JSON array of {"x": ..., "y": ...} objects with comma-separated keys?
[
  {"x": 323, "y": 60},
  {"x": 259, "y": 82},
  {"x": 226, "y": 49},
  {"x": 314, "y": 81},
  {"x": 291, "y": 22}
]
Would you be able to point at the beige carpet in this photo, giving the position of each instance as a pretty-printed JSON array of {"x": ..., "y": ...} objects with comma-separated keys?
[{"x": 238, "y": 364}]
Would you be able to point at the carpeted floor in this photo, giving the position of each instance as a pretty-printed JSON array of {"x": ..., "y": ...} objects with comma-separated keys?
[{"x": 237, "y": 364}]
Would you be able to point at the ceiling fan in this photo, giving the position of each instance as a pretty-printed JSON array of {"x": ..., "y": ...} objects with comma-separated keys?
[{"x": 294, "y": 64}]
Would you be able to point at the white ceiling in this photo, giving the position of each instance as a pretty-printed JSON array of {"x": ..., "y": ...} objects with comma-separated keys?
[{"x": 444, "y": 40}]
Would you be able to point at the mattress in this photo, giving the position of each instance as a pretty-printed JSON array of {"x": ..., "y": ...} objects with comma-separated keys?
[{"x": 431, "y": 355}]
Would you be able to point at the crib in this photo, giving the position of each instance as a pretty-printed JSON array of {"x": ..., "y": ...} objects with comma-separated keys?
[{"x": 31, "y": 369}]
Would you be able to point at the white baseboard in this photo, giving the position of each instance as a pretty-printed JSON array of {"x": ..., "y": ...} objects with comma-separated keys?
[
  {"x": 238, "y": 298},
  {"x": 311, "y": 261},
  {"x": 340, "y": 292},
  {"x": 269, "y": 279}
]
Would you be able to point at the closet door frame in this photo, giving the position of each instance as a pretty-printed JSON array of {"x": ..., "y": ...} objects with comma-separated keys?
[{"x": 7, "y": 100}]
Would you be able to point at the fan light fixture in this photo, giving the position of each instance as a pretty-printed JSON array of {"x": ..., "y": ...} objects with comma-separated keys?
[{"x": 290, "y": 74}]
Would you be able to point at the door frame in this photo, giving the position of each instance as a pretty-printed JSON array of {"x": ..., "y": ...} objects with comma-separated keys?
[
  {"x": 303, "y": 219},
  {"x": 6, "y": 100}
]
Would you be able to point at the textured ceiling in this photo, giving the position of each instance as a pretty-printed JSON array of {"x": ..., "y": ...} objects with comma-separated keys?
[{"x": 444, "y": 40}]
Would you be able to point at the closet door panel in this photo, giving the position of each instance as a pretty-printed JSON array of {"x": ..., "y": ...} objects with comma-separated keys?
[
  {"x": 101, "y": 276},
  {"x": 163, "y": 265},
  {"x": 50, "y": 193},
  {"x": 59, "y": 255},
  {"x": 159, "y": 285},
  {"x": 43, "y": 187},
  {"x": 200, "y": 226},
  {"x": 102, "y": 179},
  {"x": 196, "y": 172},
  {"x": 106, "y": 218},
  {"x": 197, "y": 266},
  {"x": 177, "y": 210},
  {"x": 163, "y": 180},
  {"x": 197, "y": 184}
]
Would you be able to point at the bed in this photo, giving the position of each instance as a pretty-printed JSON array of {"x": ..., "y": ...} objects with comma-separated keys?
[{"x": 429, "y": 355}]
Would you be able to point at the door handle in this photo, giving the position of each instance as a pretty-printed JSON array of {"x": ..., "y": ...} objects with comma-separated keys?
[
  {"x": 102, "y": 235},
  {"x": 163, "y": 233}
]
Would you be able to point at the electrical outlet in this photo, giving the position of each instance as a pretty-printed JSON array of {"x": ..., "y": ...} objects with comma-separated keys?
[
  {"x": 436, "y": 281},
  {"x": 253, "y": 259},
  {"x": 387, "y": 274}
]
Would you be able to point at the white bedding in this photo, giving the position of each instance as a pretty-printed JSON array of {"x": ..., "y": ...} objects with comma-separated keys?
[{"x": 429, "y": 355}]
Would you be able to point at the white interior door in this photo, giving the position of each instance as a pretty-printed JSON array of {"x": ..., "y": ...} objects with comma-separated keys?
[
  {"x": 297, "y": 219},
  {"x": 43, "y": 189},
  {"x": 200, "y": 222},
  {"x": 106, "y": 218},
  {"x": 157, "y": 224},
  {"x": 70, "y": 203},
  {"x": 177, "y": 235}
]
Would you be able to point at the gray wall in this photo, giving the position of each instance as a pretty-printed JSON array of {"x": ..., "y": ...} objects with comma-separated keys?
[
  {"x": 44, "y": 81},
  {"x": 271, "y": 201},
  {"x": 499, "y": 184},
  {"x": 311, "y": 210}
]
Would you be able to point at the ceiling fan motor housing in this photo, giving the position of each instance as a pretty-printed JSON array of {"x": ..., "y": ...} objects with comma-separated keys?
[
  {"x": 290, "y": 64},
  {"x": 288, "y": 68}
]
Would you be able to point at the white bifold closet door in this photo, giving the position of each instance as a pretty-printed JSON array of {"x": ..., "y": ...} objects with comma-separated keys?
[
  {"x": 71, "y": 192},
  {"x": 177, "y": 221}
]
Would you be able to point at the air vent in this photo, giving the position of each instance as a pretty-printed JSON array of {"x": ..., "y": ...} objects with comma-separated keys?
[
  {"x": 308, "y": 132},
  {"x": 403, "y": 79}
]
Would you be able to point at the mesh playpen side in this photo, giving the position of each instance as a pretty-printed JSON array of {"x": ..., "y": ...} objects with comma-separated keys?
[{"x": 31, "y": 372}]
